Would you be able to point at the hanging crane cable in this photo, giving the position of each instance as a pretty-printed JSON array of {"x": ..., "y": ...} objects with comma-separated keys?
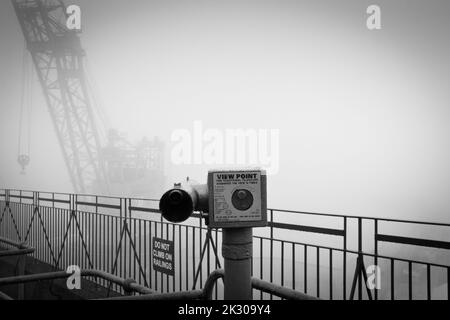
[{"x": 23, "y": 157}]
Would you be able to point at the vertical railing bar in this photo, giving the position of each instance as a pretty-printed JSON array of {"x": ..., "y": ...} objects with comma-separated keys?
[
  {"x": 360, "y": 256},
  {"x": 376, "y": 252},
  {"x": 344, "y": 258},
  {"x": 82, "y": 253},
  {"x": 193, "y": 252},
  {"x": 305, "y": 268},
  {"x": 150, "y": 262},
  {"x": 119, "y": 252},
  {"x": 173, "y": 239},
  {"x": 132, "y": 257},
  {"x": 104, "y": 244},
  {"x": 145, "y": 256},
  {"x": 392, "y": 280},
  {"x": 318, "y": 271},
  {"x": 261, "y": 264},
  {"x": 271, "y": 249},
  {"x": 208, "y": 253},
  {"x": 125, "y": 237},
  {"x": 140, "y": 250},
  {"x": 429, "y": 282},
  {"x": 110, "y": 244},
  {"x": 180, "y": 261},
  {"x": 42, "y": 212},
  {"x": 161, "y": 275},
  {"x": 201, "y": 243},
  {"x": 96, "y": 264},
  {"x": 168, "y": 238},
  {"x": 331, "y": 274},
  {"x": 74, "y": 208},
  {"x": 187, "y": 256},
  {"x": 160, "y": 236},
  {"x": 409, "y": 280},
  {"x": 282, "y": 263},
  {"x": 448, "y": 281},
  {"x": 91, "y": 237},
  {"x": 217, "y": 265},
  {"x": 156, "y": 236},
  {"x": 94, "y": 237},
  {"x": 293, "y": 265}
]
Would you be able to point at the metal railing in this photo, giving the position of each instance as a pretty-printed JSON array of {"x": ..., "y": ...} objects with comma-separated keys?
[
  {"x": 323, "y": 255},
  {"x": 130, "y": 286},
  {"x": 12, "y": 248},
  {"x": 20, "y": 250}
]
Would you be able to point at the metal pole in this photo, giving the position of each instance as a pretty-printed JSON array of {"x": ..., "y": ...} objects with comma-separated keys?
[{"x": 237, "y": 247}]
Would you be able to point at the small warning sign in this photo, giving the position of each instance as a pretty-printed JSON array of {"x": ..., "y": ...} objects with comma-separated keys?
[{"x": 163, "y": 256}]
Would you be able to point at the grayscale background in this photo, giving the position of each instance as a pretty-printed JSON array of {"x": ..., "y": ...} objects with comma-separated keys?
[{"x": 363, "y": 115}]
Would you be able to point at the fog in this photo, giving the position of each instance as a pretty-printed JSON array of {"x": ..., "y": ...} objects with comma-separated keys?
[{"x": 362, "y": 115}]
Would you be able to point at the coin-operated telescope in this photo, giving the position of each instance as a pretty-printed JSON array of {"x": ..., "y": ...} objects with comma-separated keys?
[
  {"x": 230, "y": 199},
  {"x": 178, "y": 204},
  {"x": 234, "y": 200}
]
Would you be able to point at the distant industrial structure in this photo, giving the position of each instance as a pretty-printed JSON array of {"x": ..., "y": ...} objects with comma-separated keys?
[{"x": 94, "y": 165}]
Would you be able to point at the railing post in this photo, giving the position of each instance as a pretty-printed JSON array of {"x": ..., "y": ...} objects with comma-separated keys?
[
  {"x": 271, "y": 248},
  {"x": 344, "y": 276},
  {"x": 376, "y": 251},
  {"x": 360, "y": 257},
  {"x": 7, "y": 197}
]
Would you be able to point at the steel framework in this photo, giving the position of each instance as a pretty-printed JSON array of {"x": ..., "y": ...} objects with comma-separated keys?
[{"x": 58, "y": 57}]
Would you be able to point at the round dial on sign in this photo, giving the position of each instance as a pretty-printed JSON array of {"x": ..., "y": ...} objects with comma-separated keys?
[{"x": 242, "y": 199}]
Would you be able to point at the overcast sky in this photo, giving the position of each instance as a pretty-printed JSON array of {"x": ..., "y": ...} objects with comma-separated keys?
[{"x": 363, "y": 115}]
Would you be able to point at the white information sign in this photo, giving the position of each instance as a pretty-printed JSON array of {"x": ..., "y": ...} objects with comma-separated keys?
[{"x": 237, "y": 197}]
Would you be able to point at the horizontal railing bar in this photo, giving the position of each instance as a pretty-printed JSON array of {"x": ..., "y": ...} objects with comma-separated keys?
[
  {"x": 5, "y": 297},
  {"x": 362, "y": 217},
  {"x": 413, "y": 241},
  {"x": 336, "y": 232},
  {"x": 20, "y": 197},
  {"x": 180, "y": 295},
  {"x": 13, "y": 243},
  {"x": 54, "y": 200},
  {"x": 279, "y": 291},
  {"x": 144, "y": 209},
  {"x": 41, "y": 192},
  {"x": 351, "y": 251},
  {"x": 21, "y": 248},
  {"x": 109, "y": 197},
  {"x": 18, "y": 252},
  {"x": 127, "y": 284},
  {"x": 101, "y": 205},
  {"x": 144, "y": 199}
]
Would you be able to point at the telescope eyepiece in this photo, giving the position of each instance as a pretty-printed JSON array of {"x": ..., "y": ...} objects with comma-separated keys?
[
  {"x": 176, "y": 205},
  {"x": 175, "y": 197}
]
